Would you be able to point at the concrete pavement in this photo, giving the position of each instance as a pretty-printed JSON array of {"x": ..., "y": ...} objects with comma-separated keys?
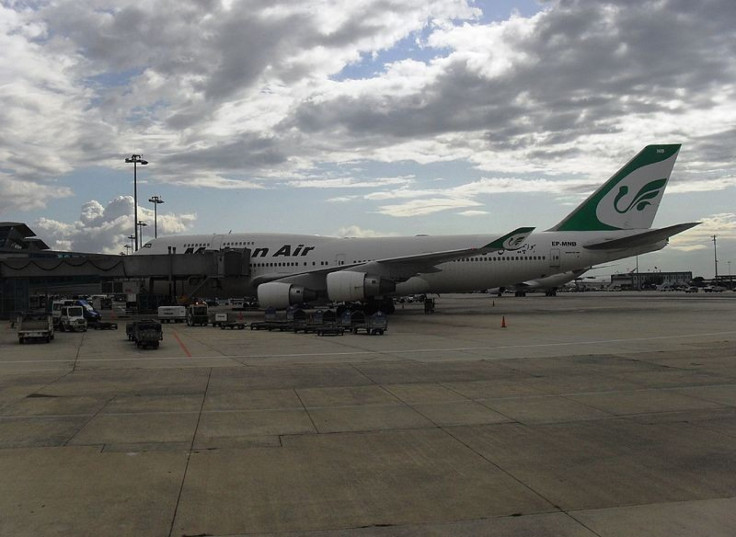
[{"x": 589, "y": 415}]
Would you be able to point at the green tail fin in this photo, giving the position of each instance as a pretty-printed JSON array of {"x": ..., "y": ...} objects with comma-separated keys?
[{"x": 629, "y": 199}]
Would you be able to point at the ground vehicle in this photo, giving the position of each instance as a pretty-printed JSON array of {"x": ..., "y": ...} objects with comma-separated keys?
[
  {"x": 229, "y": 320},
  {"x": 101, "y": 302},
  {"x": 145, "y": 333},
  {"x": 373, "y": 324},
  {"x": 72, "y": 319},
  {"x": 713, "y": 289},
  {"x": 691, "y": 289},
  {"x": 167, "y": 314},
  {"x": 197, "y": 314},
  {"x": 56, "y": 306},
  {"x": 35, "y": 325},
  {"x": 90, "y": 314}
]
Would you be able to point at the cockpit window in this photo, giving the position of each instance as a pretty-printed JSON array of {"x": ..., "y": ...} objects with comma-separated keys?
[{"x": 147, "y": 245}]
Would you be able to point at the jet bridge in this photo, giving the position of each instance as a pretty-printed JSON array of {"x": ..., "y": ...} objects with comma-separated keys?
[
  {"x": 210, "y": 264},
  {"x": 209, "y": 267}
]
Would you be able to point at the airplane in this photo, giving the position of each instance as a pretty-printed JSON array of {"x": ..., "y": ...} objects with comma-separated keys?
[{"x": 614, "y": 222}]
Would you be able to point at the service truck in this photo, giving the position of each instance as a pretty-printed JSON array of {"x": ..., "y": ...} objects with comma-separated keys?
[
  {"x": 72, "y": 319},
  {"x": 35, "y": 325},
  {"x": 198, "y": 314}
]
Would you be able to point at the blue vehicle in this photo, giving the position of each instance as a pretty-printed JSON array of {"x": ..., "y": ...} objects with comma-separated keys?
[{"x": 90, "y": 314}]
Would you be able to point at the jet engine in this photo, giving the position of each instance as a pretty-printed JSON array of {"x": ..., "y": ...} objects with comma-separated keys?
[
  {"x": 347, "y": 286},
  {"x": 281, "y": 295}
]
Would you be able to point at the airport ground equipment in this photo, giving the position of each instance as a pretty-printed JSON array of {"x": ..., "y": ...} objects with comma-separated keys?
[
  {"x": 375, "y": 324},
  {"x": 228, "y": 320},
  {"x": 129, "y": 327},
  {"x": 198, "y": 314},
  {"x": 316, "y": 321},
  {"x": 168, "y": 314},
  {"x": 145, "y": 333},
  {"x": 330, "y": 325},
  {"x": 273, "y": 320},
  {"x": 56, "y": 307},
  {"x": 89, "y": 312},
  {"x": 35, "y": 325},
  {"x": 72, "y": 319},
  {"x": 103, "y": 325}
]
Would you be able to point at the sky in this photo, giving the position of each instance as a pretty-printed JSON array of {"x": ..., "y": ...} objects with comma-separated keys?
[{"x": 363, "y": 117}]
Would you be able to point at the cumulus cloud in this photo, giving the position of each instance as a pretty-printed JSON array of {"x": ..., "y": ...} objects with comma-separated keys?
[
  {"x": 28, "y": 194},
  {"x": 357, "y": 231},
  {"x": 106, "y": 228},
  {"x": 722, "y": 225},
  {"x": 267, "y": 94}
]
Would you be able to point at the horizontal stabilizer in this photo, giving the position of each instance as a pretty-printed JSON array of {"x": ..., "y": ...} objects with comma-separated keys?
[{"x": 640, "y": 239}]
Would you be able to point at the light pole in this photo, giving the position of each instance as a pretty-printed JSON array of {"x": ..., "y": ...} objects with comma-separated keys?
[
  {"x": 140, "y": 234},
  {"x": 715, "y": 259},
  {"x": 131, "y": 238},
  {"x": 135, "y": 159},
  {"x": 155, "y": 200}
]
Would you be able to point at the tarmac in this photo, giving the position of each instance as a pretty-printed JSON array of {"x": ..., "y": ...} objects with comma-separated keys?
[{"x": 587, "y": 414}]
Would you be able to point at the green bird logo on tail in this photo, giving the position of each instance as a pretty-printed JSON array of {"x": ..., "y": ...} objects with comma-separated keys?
[{"x": 647, "y": 192}]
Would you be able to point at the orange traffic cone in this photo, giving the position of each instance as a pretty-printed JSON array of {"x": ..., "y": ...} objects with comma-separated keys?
[{"x": 503, "y": 321}]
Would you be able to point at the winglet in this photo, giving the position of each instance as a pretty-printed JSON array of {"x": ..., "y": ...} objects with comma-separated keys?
[{"x": 510, "y": 241}]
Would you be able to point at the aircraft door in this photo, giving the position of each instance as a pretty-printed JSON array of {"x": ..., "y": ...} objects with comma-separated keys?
[
  {"x": 554, "y": 258},
  {"x": 340, "y": 260}
]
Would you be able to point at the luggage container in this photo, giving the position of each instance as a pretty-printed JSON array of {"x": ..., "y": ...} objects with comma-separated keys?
[{"x": 168, "y": 314}]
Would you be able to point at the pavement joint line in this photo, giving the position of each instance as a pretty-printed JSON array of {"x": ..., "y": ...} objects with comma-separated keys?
[
  {"x": 304, "y": 407},
  {"x": 189, "y": 456},
  {"x": 79, "y": 349},
  {"x": 87, "y": 422},
  {"x": 555, "y": 508},
  {"x": 446, "y": 431}
]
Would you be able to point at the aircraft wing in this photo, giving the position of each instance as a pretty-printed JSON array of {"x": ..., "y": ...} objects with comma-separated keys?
[
  {"x": 641, "y": 239},
  {"x": 404, "y": 267},
  {"x": 401, "y": 268}
]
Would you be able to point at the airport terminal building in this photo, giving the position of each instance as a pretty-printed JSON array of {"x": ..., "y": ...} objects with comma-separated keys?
[
  {"x": 17, "y": 240},
  {"x": 650, "y": 280}
]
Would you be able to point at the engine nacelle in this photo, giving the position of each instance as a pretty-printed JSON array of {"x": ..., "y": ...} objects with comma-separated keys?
[
  {"x": 347, "y": 286},
  {"x": 281, "y": 295}
]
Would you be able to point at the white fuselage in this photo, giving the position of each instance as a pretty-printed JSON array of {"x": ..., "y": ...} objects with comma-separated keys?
[{"x": 280, "y": 255}]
